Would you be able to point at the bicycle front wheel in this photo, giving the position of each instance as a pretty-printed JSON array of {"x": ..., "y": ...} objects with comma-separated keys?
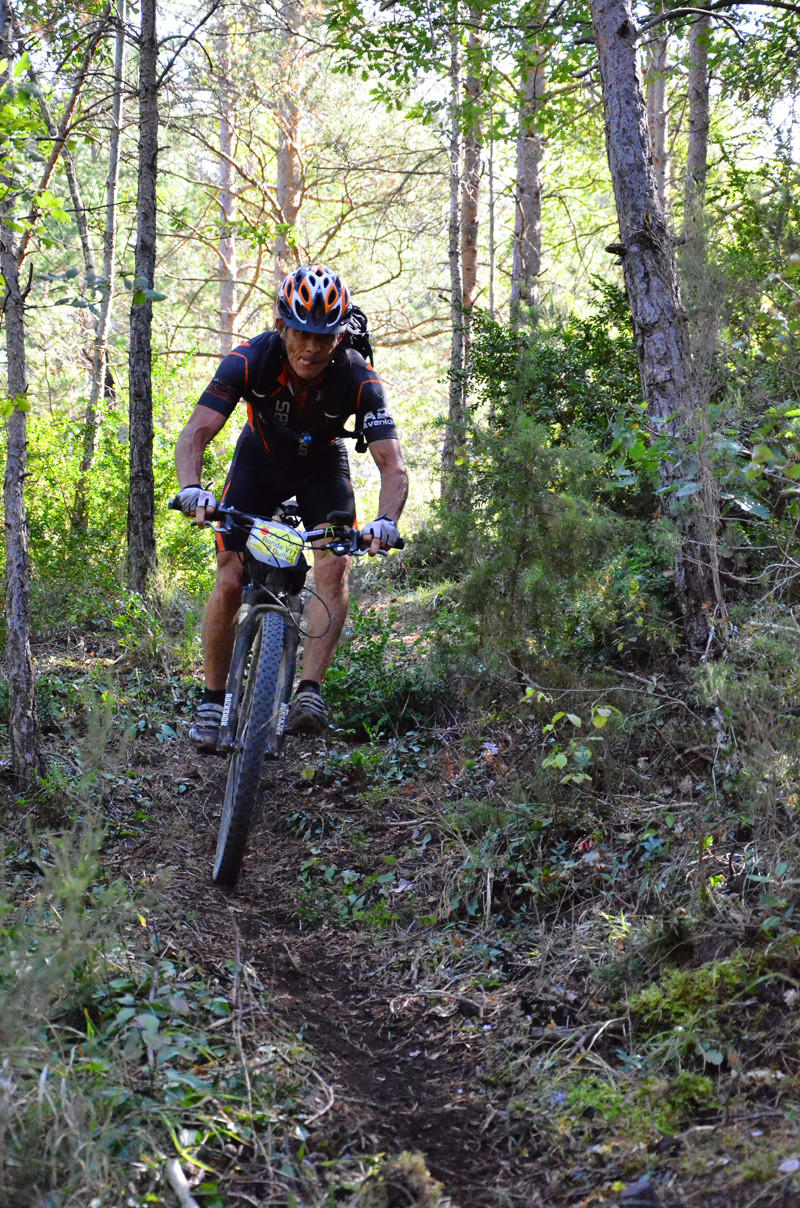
[{"x": 261, "y": 721}]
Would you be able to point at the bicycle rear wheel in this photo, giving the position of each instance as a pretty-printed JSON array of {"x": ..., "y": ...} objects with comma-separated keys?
[{"x": 261, "y": 721}]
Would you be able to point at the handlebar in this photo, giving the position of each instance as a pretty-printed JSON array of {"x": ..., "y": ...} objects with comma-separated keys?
[{"x": 345, "y": 538}]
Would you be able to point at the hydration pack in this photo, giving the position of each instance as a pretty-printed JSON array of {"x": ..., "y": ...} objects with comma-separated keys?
[{"x": 356, "y": 334}]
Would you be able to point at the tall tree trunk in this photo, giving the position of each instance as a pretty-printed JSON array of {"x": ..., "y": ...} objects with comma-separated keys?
[
  {"x": 101, "y": 382},
  {"x": 697, "y": 158},
  {"x": 470, "y": 184},
  {"x": 99, "y": 375},
  {"x": 290, "y": 179},
  {"x": 141, "y": 501},
  {"x": 228, "y": 264},
  {"x": 527, "y": 260},
  {"x": 659, "y": 323},
  {"x": 456, "y": 413},
  {"x": 697, "y": 275},
  {"x": 657, "y": 115},
  {"x": 23, "y": 725}
]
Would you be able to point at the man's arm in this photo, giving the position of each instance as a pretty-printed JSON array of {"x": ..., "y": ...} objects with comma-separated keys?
[
  {"x": 200, "y": 429},
  {"x": 388, "y": 457}
]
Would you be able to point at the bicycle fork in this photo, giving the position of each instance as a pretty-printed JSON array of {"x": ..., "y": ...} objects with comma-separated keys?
[{"x": 252, "y": 609}]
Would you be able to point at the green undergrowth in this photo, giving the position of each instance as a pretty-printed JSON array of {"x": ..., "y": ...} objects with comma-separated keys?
[
  {"x": 117, "y": 1052},
  {"x": 383, "y": 681},
  {"x": 589, "y": 873},
  {"x": 121, "y": 1054},
  {"x": 618, "y": 854}
]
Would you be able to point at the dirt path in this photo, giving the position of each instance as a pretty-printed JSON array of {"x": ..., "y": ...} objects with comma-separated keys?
[
  {"x": 426, "y": 1035},
  {"x": 399, "y": 1069}
]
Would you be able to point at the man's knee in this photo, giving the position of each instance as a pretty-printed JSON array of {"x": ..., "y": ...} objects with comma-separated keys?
[
  {"x": 331, "y": 573},
  {"x": 230, "y": 575}
]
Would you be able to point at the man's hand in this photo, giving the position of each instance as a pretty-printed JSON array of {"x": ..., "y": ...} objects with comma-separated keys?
[
  {"x": 383, "y": 533},
  {"x": 196, "y": 501}
]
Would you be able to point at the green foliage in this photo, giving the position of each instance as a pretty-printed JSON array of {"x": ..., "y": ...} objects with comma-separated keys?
[
  {"x": 755, "y": 694},
  {"x": 377, "y": 684},
  {"x": 112, "y": 1051},
  {"x": 79, "y": 577},
  {"x": 543, "y": 560},
  {"x": 656, "y": 1107}
]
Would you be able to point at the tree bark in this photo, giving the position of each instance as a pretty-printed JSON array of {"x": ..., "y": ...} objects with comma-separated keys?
[
  {"x": 697, "y": 157},
  {"x": 470, "y": 184},
  {"x": 101, "y": 376},
  {"x": 141, "y": 500},
  {"x": 290, "y": 181},
  {"x": 228, "y": 264},
  {"x": 456, "y": 414},
  {"x": 527, "y": 259},
  {"x": 657, "y": 115},
  {"x": 27, "y": 759},
  {"x": 659, "y": 323}
]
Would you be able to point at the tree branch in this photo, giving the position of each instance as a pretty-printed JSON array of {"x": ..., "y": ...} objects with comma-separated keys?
[
  {"x": 64, "y": 128},
  {"x": 185, "y": 42}
]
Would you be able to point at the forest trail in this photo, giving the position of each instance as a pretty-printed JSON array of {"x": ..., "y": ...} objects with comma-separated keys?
[
  {"x": 423, "y": 1032},
  {"x": 395, "y": 1067}
]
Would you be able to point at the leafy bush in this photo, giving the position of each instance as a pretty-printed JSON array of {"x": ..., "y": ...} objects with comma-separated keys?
[
  {"x": 377, "y": 684},
  {"x": 547, "y": 556}
]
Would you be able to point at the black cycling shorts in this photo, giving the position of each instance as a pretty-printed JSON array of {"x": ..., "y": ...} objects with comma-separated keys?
[{"x": 259, "y": 480}]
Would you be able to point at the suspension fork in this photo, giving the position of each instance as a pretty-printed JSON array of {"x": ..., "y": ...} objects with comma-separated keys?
[{"x": 249, "y": 617}]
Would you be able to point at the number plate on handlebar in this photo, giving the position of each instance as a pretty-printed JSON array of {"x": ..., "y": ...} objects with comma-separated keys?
[{"x": 274, "y": 543}]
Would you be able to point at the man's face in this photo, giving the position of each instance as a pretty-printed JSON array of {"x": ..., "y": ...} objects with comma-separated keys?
[{"x": 308, "y": 352}]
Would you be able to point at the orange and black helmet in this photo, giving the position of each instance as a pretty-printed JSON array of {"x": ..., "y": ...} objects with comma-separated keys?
[{"x": 312, "y": 298}]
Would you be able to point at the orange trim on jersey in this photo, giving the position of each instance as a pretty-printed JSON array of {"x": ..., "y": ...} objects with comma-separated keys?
[
  {"x": 236, "y": 353},
  {"x": 370, "y": 381}
]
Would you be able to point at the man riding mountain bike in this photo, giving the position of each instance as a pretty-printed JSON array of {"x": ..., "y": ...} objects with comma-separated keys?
[{"x": 300, "y": 384}]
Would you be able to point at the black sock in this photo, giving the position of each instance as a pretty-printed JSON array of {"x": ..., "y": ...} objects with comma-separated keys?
[
  {"x": 213, "y": 696},
  {"x": 309, "y": 686}
]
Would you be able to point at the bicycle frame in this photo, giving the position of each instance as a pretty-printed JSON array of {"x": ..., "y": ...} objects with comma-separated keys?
[
  {"x": 257, "y": 599},
  {"x": 276, "y": 588}
]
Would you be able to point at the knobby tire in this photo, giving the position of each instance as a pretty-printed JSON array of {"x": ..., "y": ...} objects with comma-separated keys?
[{"x": 261, "y": 718}]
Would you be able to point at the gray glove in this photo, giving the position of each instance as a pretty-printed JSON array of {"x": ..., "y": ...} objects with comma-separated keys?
[
  {"x": 384, "y": 529},
  {"x": 189, "y": 499}
]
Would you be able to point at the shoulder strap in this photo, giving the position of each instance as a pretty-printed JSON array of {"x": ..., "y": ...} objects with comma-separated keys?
[{"x": 357, "y": 334}]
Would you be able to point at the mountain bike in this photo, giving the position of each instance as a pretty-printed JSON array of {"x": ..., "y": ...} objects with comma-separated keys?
[{"x": 262, "y": 667}]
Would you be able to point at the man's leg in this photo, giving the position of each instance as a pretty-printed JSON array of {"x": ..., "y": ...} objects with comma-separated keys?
[
  {"x": 219, "y": 619},
  {"x": 331, "y": 583},
  {"x": 326, "y": 616},
  {"x": 218, "y": 633}
]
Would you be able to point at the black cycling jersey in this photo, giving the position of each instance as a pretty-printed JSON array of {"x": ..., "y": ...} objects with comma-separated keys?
[{"x": 300, "y": 421}]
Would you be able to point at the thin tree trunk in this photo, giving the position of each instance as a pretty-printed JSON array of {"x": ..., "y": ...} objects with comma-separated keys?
[
  {"x": 697, "y": 157},
  {"x": 101, "y": 384},
  {"x": 98, "y": 335},
  {"x": 470, "y": 184},
  {"x": 290, "y": 181},
  {"x": 527, "y": 260},
  {"x": 60, "y": 139},
  {"x": 23, "y": 726},
  {"x": 697, "y": 278},
  {"x": 659, "y": 323},
  {"x": 456, "y": 416},
  {"x": 657, "y": 115},
  {"x": 228, "y": 264},
  {"x": 79, "y": 517},
  {"x": 141, "y": 501}
]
